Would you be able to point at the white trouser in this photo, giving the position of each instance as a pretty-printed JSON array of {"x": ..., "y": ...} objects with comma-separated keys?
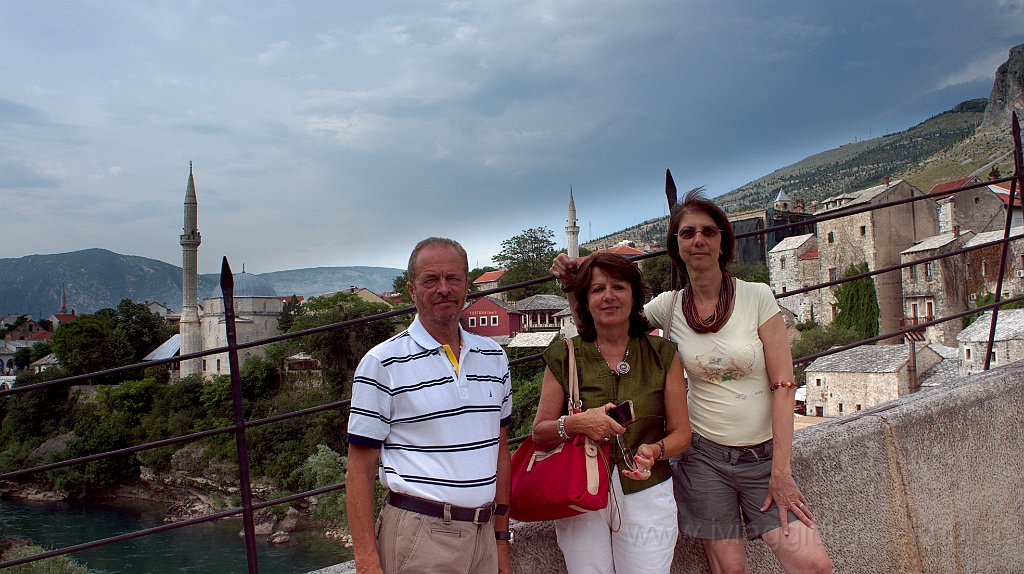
[{"x": 645, "y": 542}]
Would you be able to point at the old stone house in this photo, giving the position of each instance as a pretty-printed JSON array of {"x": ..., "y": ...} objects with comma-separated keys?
[
  {"x": 978, "y": 209},
  {"x": 863, "y": 377},
  {"x": 755, "y": 249},
  {"x": 539, "y": 312},
  {"x": 876, "y": 237},
  {"x": 935, "y": 288},
  {"x": 489, "y": 280},
  {"x": 793, "y": 264},
  {"x": 1007, "y": 346},
  {"x": 981, "y": 270}
]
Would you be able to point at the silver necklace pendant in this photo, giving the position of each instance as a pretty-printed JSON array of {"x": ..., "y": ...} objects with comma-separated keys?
[{"x": 622, "y": 368}]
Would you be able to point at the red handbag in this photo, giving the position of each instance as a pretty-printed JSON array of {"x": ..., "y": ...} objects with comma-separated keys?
[{"x": 567, "y": 481}]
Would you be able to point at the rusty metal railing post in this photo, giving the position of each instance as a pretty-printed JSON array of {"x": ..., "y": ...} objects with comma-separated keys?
[
  {"x": 1018, "y": 169},
  {"x": 227, "y": 288}
]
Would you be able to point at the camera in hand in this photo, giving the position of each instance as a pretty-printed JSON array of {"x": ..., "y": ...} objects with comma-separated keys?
[{"x": 622, "y": 413}]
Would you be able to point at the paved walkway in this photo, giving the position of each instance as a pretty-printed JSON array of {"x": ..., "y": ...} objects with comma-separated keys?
[{"x": 343, "y": 568}]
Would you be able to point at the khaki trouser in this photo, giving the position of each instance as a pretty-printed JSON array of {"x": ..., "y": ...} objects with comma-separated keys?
[{"x": 412, "y": 543}]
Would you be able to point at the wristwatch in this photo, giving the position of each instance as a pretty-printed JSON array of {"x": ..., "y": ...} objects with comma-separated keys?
[
  {"x": 506, "y": 535},
  {"x": 500, "y": 509}
]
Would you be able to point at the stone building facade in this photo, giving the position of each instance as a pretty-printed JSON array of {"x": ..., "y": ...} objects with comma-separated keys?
[
  {"x": 754, "y": 249},
  {"x": 257, "y": 308},
  {"x": 793, "y": 264},
  {"x": 982, "y": 265},
  {"x": 937, "y": 288},
  {"x": 1007, "y": 346},
  {"x": 977, "y": 210},
  {"x": 862, "y": 377},
  {"x": 876, "y": 237}
]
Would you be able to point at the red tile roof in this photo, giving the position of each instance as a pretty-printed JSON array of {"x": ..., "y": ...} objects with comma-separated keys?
[
  {"x": 812, "y": 253},
  {"x": 1002, "y": 190},
  {"x": 952, "y": 184},
  {"x": 40, "y": 336},
  {"x": 624, "y": 250},
  {"x": 490, "y": 276}
]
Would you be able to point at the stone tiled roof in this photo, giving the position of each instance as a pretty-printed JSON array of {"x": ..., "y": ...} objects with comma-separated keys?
[
  {"x": 990, "y": 236},
  {"x": 930, "y": 243},
  {"x": 542, "y": 303},
  {"x": 539, "y": 340},
  {"x": 864, "y": 359},
  {"x": 944, "y": 351},
  {"x": 791, "y": 242},
  {"x": 503, "y": 304},
  {"x": 860, "y": 197},
  {"x": 1009, "y": 326},
  {"x": 941, "y": 373}
]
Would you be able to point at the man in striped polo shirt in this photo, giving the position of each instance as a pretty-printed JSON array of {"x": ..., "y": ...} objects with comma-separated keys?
[{"x": 431, "y": 404}]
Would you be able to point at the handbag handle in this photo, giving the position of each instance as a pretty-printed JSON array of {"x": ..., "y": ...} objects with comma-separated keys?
[
  {"x": 575, "y": 403},
  {"x": 671, "y": 313}
]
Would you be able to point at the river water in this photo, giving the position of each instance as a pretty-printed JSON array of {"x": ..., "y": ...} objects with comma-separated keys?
[{"x": 208, "y": 548}]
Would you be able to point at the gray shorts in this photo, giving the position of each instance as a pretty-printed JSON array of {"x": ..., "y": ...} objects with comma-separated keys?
[{"x": 721, "y": 489}]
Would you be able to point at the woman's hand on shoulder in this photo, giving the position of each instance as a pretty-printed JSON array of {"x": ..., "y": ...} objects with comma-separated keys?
[
  {"x": 564, "y": 268},
  {"x": 595, "y": 423}
]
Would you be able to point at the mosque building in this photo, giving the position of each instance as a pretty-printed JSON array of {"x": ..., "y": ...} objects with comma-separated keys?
[{"x": 256, "y": 305}]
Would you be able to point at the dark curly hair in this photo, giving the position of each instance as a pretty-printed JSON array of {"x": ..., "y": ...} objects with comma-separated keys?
[
  {"x": 695, "y": 201},
  {"x": 618, "y": 267}
]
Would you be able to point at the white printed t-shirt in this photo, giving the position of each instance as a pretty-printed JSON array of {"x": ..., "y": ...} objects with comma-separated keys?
[
  {"x": 438, "y": 431},
  {"x": 729, "y": 395}
]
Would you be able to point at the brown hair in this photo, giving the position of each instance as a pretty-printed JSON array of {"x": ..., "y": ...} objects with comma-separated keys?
[
  {"x": 411, "y": 270},
  {"x": 695, "y": 201},
  {"x": 618, "y": 267}
]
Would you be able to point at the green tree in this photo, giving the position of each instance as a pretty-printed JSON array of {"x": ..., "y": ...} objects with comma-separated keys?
[
  {"x": 142, "y": 329},
  {"x": 658, "y": 274},
  {"x": 857, "y": 304},
  {"x": 816, "y": 339},
  {"x": 90, "y": 343},
  {"x": 40, "y": 350},
  {"x": 749, "y": 272},
  {"x": 288, "y": 312},
  {"x": 322, "y": 469},
  {"x": 339, "y": 350},
  {"x": 527, "y": 256},
  {"x": 23, "y": 358},
  {"x": 401, "y": 286}
]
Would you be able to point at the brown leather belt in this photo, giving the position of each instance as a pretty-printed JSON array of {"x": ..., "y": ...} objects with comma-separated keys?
[{"x": 442, "y": 510}]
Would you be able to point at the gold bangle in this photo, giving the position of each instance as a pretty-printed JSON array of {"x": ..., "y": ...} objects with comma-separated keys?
[{"x": 783, "y": 384}]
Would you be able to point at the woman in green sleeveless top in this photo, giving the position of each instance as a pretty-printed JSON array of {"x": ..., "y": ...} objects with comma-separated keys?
[{"x": 617, "y": 361}]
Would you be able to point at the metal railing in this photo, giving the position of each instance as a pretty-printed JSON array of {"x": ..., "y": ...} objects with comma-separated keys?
[{"x": 240, "y": 425}]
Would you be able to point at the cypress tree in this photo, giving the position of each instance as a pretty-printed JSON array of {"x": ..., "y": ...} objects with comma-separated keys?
[{"x": 857, "y": 304}]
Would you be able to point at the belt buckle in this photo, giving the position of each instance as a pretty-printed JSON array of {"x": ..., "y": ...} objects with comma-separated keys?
[{"x": 476, "y": 515}]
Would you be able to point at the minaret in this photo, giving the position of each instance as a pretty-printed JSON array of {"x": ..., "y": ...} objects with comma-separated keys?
[
  {"x": 189, "y": 327},
  {"x": 64, "y": 300},
  {"x": 572, "y": 231}
]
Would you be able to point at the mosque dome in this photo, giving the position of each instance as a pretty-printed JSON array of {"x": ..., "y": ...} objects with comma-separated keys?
[{"x": 248, "y": 285}]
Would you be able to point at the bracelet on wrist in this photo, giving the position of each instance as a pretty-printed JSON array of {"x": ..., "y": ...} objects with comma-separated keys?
[
  {"x": 782, "y": 384},
  {"x": 661, "y": 445},
  {"x": 506, "y": 535},
  {"x": 561, "y": 429}
]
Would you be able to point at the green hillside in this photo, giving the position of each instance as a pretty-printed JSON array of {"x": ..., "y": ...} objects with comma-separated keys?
[{"x": 98, "y": 278}]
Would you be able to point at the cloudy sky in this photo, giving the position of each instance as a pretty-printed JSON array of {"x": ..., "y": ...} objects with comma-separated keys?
[{"x": 340, "y": 133}]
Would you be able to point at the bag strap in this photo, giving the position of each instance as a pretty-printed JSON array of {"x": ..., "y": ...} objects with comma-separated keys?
[
  {"x": 575, "y": 404},
  {"x": 671, "y": 313}
]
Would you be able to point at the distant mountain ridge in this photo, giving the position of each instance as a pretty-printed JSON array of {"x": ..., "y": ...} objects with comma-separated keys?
[{"x": 98, "y": 278}]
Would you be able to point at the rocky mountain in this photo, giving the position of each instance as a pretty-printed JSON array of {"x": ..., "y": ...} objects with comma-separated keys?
[
  {"x": 98, "y": 278},
  {"x": 1007, "y": 91}
]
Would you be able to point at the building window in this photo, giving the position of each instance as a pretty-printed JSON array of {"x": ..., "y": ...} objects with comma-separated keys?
[
  {"x": 913, "y": 271},
  {"x": 494, "y": 320},
  {"x": 833, "y": 274},
  {"x": 975, "y": 200},
  {"x": 993, "y": 361},
  {"x": 819, "y": 411},
  {"x": 931, "y": 309},
  {"x": 984, "y": 268},
  {"x": 782, "y": 262},
  {"x": 967, "y": 353},
  {"x": 863, "y": 230},
  {"x": 831, "y": 237},
  {"x": 783, "y": 288},
  {"x": 913, "y": 310},
  {"x": 967, "y": 271},
  {"x": 472, "y": 321},
  {"x": 204, "y": 364},
  {"x": 857, "y": 407},
  {"x": 218, "y": 365},
  {"x": 928, "y": 269},
  {"x": 817, "y": 382},
  {"x": 840, "y": 408}
]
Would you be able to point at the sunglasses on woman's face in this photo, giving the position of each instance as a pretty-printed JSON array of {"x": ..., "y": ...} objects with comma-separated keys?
[{"x": 708, "y": 231}]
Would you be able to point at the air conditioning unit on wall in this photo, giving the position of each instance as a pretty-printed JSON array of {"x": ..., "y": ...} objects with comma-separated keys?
[
  {"x": 1020, "y": 274},
  {"x": 972, "y": 297}
]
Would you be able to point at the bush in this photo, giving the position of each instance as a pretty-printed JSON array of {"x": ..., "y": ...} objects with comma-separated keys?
[
  {"x": 525, "y": 398},
  {"x": 325, "y": 468},
  {"x": 816, "y": 340},
  {"x": 749, "y": 272},
  {"x": 55, "y": 565}
]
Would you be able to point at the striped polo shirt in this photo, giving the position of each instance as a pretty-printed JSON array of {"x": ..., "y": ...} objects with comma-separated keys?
[{"x": 437, "y": 431}]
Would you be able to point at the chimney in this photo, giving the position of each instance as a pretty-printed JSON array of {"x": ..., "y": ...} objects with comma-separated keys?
[
  {"x": 886, "y": 181},
  {"x": 956, "y": 231}
]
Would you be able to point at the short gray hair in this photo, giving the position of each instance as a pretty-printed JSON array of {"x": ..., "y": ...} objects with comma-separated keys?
[{"x": 411, "y": 271}]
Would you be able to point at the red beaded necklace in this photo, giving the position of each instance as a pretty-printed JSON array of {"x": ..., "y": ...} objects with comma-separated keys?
[{"x": 713, "y": 323}]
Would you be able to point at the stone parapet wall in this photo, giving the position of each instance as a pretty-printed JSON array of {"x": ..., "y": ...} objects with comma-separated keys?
[{"x": 932, "y": 483}]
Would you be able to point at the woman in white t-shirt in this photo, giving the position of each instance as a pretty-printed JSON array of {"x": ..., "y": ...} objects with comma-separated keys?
[{"x": 739, "y": 366}]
